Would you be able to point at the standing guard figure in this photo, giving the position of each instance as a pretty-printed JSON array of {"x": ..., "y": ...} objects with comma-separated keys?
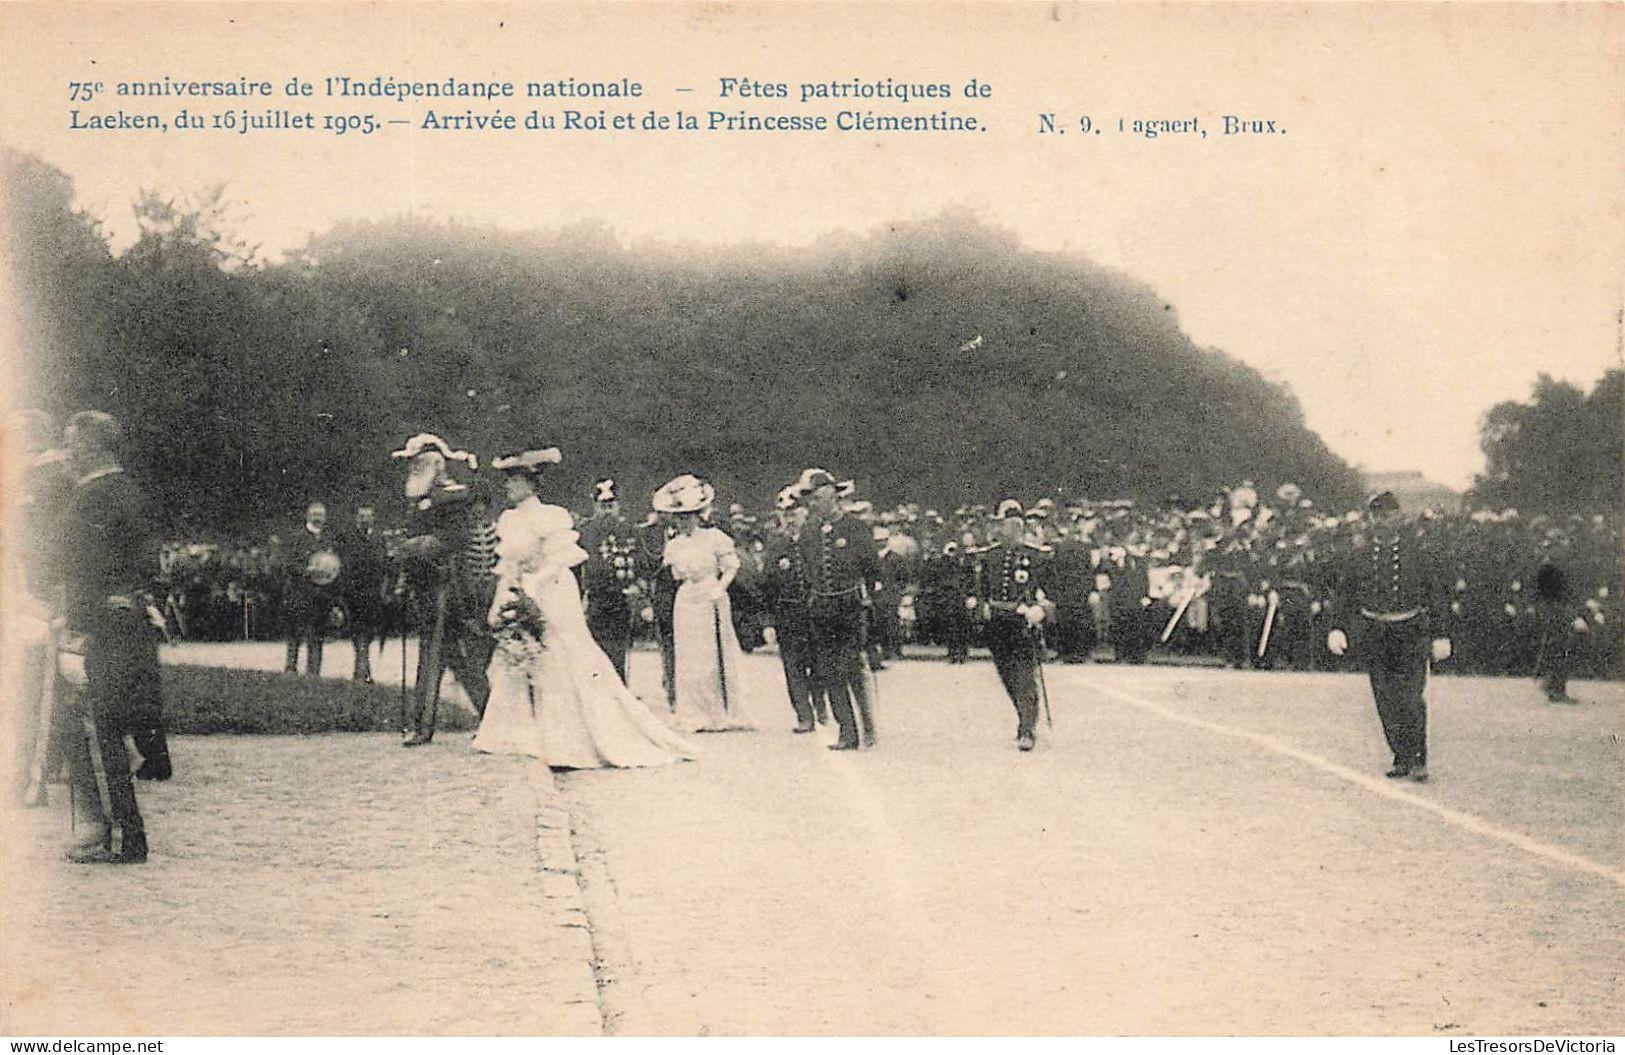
[
  {"x": 609, "y": 577},
  {"x": 1012, "y": 602},
  {"x": 450, "y": 554},
  {"x": 109, "y": 561},
  {"x": 838, "y": 554},
  {"x": 1393, "y": 597},
  {"x": 785, "y": 590}
]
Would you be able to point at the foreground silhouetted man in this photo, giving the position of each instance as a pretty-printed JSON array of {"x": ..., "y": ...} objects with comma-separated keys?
[{"x": 109, "y": 560}]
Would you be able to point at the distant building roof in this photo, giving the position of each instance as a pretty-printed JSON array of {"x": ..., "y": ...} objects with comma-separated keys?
[{"x": 1416, "y": 493}]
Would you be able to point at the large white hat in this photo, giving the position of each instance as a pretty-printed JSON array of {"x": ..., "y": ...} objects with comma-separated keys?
[
  {"x": 428, "y": 441},
  {"x": 812, "y": 479},
  {"x": 686, "y": 494},
  {"x": 528, "y": 461}
]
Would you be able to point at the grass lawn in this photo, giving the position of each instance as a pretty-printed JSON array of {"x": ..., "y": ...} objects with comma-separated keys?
[{"x": 204, "y": 700}]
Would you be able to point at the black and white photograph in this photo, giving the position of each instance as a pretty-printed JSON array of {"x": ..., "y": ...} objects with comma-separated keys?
[{"x": 774, "y": 519}]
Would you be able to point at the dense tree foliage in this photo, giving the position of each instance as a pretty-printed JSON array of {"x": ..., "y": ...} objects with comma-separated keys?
[
  {"x": 1562, "y": 452},
  {"x": 937, "y": 361}
]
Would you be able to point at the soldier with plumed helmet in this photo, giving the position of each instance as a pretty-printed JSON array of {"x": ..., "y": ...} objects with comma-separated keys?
[
  {"x": 838, "y": 553},
  {"x": 609, "y": 577},
  {"x": 450, "y": 554}
]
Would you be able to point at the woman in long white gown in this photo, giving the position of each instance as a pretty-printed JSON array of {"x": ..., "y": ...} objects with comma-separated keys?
[
  {"x": 712, "y": 695},
  {"x": 555, "y": 695}
]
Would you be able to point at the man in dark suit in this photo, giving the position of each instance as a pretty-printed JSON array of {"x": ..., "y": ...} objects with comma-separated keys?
[
  {"x": 609, "y": 576},
  {"x": 1390, "y": 600},
  {"x": 365, "y": 574},
  {"x": 838, "y": 554},
  {"x": 109, "y": 562},
  {"x": 1013, "y": 577},
  {"x": 313, "y": 570}
]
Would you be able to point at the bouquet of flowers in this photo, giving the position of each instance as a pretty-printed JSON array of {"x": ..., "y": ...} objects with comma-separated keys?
[{"x": 521, "y": 627}]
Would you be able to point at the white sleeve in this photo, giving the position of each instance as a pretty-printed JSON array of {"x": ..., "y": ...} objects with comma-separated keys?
[
  {"x": 561, "y": 548},
  {"x": 727, "y": 555}
]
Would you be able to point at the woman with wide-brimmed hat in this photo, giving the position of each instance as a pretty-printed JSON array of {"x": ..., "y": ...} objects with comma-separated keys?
[
  {"x": 711, "y": 696},
  {"x": 554, "y": 694}
]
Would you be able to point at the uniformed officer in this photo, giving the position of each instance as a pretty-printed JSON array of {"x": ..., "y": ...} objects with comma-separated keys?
[
  {"x": 1561, "y": 620},
  {"x": 1391, "y": 596},
  {"x": 452, "y": 555},
  {"x": 786, "y": 591},
  {"x": 109, "y": 561},
  {"x": 1074, "y": 571},
  {"x": 839, "y": 558},
  {"x": 660, "y": 587},
  {"x": 609, "y": 576},
  {"x": 1012, "y": 602},
  {"x": 1129, "y": 602},
  {"x": 1230, "y": 566}
]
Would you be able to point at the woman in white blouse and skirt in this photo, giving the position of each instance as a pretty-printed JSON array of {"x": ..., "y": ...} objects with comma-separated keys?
[
  {"x": 554, "y": 694},
  {"x": 711, "y": 693}
]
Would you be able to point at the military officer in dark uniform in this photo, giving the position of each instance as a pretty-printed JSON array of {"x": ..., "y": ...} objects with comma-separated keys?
[
  {"x": 364, "y": 556},
  {"x": 944, "y": 584},
  {"x": 839, "y": 558},
  {"x": 1011, "y": 599},
  {"x": 660, "y": 587},
  {"x": 37, "y": 740},
  {"x": 1391, "y": 597},
  {"x": 785, "y": 591},
  {"x": 1230, "y": 565},
  {"x": 109, "y": 561},
  {"x": 1129, "y": 602},
  {"x": 451, "y": 555},
  {"x": 609, "y": 576},
  {"x": 1074, "y": 573},
  {"x": 1561, "y": 620}
]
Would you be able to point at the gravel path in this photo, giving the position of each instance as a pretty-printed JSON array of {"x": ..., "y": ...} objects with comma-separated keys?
[
  {"x": 307, "y": 886},
  {"x": 1135, "y": 875}
]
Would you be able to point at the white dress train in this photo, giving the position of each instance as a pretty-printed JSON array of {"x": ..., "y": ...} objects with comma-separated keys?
[
  {"x": 712, "y": 694},
  {"x": 560, "y": 699}
]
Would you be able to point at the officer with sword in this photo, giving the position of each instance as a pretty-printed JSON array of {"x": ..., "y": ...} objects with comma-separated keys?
[
  {"x": 109, "y": 561},
  {"x": 1011, "y": 600},
  {"x": 609, "y": 576}
]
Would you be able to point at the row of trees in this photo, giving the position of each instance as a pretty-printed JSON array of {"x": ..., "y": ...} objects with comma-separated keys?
[
  {"x": 939, "y": 361},
  {"x": 1563, "y": 451}
]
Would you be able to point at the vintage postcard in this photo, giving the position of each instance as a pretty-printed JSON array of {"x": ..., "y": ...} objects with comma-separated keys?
[{"x": 781, "y": 519}]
